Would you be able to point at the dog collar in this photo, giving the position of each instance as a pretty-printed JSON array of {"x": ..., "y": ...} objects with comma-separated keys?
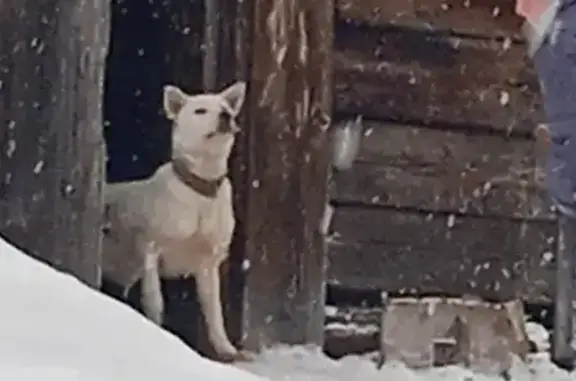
[{"x": 207, "y": 188}]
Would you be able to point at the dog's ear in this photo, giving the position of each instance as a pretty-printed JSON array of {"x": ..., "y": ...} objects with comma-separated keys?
[
  {"x": 235, "y": 95},
  {"x": 174, "y": 100}
]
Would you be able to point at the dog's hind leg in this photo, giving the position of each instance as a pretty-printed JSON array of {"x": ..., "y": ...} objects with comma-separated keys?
[
  {"x": 208, "y": 284},
  {"x": 152, "y": 301}
]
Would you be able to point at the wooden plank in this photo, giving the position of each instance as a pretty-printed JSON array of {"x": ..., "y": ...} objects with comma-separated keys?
[
  {"x": 287, "y": 157},
  {"x": 416, "y": 253},
  {"x": 489, "y": 18},
  {"x": 51, "y": 172},
  {"x": 351, "y": 331},
  {"x": 406, "y": 166},
  {"x": 183, "y": 45},
  {"x": 406, "y": 74}
]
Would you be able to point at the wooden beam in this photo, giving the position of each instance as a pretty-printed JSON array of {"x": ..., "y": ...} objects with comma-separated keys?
[
  {"x": 403, "y": 74},
  {"x": 424, "y": 253},
  {"x": 407, "y": 166},
  {"x": 286, "y": 155},
  {"x": 484, "y": 18},
  {"x": 52, "y": 165},
  {"x": 183, "y": 45}
]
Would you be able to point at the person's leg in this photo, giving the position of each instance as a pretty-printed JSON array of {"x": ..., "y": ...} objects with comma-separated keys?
[{"x": 555, "y": 63}]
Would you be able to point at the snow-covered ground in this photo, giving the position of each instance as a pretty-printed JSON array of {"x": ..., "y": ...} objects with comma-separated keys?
[
  {"x": 52, "y": 328},
  {"x": 299, "y": 364}
]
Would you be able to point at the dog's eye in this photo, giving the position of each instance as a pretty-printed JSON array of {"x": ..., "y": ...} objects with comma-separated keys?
[
  {"x": 200, "y": 111},
  {"x": 210, "y": 135},
  {"x": 225, "y": 115}
]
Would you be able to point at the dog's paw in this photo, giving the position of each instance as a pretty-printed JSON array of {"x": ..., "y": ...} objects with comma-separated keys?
[
  {"x": 244, "y": 356},
  {"x": 238, "y": 356}
]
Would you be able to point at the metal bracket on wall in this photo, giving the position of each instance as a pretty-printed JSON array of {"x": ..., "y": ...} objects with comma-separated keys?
[{"x": 385, "y": 302}]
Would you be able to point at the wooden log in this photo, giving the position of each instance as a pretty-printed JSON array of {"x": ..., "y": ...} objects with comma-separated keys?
[
  {"x": 350, "y": 339},
  {"x": 410, "y": 75},
  {"x": 352, "y": 331},
  {"x": 286, "y": 153},
  {"x": 52, "y": 58},
  {"x": 424, "y": 253},
  {"x": 52, "y": 167},
  {"x": 183, "y": 45},
  {"x": 483, "y": 18},
  {"x": 406, "y": 166}
]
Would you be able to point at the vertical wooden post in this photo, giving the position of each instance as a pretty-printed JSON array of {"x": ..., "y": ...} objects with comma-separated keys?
[
  {"x": 52, "y": 154},
  {"x": 211, "y": 35},
  {"x": 286, "y": 156},
  {"x": 562, "y": 350}
]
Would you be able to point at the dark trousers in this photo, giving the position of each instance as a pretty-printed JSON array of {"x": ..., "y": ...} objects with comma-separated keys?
[{"x": 555, "y": 64}]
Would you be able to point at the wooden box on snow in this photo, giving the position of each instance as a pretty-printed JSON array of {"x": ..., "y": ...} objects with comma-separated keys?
[{"x": 425, "y": 332}]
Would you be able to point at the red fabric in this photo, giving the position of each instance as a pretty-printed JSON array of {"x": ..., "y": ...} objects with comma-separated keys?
[{"x": 531, "y": 9}]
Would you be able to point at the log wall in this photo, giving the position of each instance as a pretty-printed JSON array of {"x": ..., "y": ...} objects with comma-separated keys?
[
  {"x": 445, "y": 195},
  {"x": 52, "y": 57}
]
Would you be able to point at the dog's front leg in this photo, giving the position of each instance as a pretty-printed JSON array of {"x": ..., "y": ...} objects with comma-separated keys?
[
  {"x": 151, "y": 297},
  {"x": 208, "y": 284}
]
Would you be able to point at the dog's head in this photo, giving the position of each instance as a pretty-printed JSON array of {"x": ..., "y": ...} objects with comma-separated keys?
[{"x": 204, "y": 124}]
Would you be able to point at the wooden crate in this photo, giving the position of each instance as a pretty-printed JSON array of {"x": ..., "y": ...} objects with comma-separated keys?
[{"x": 426, "y": 332}]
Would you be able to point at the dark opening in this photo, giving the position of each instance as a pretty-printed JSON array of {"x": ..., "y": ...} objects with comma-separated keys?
[{"x": 152, "y": 43}]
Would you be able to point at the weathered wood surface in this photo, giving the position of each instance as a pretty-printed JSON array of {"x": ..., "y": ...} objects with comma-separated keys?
[
  {"x": 351, "y": 331},
  {"x": 407, "y": 166},
  {"x": 51, "y": 72},
  {"x": 286, "y": 153},
  {"x": 454, "y": 104},
  {"x": 184, "y": 52},
  {"x": 485, "y": 18},
  {"x": 413, "y": 75},
  {"x": 418, "y": 253}
]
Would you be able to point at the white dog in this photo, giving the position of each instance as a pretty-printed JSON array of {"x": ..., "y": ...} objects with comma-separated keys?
[{"x": 180, "y": 221}]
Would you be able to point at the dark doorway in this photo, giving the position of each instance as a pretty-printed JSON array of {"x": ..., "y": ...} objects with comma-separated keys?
[{"x": 152, "y": 43}]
